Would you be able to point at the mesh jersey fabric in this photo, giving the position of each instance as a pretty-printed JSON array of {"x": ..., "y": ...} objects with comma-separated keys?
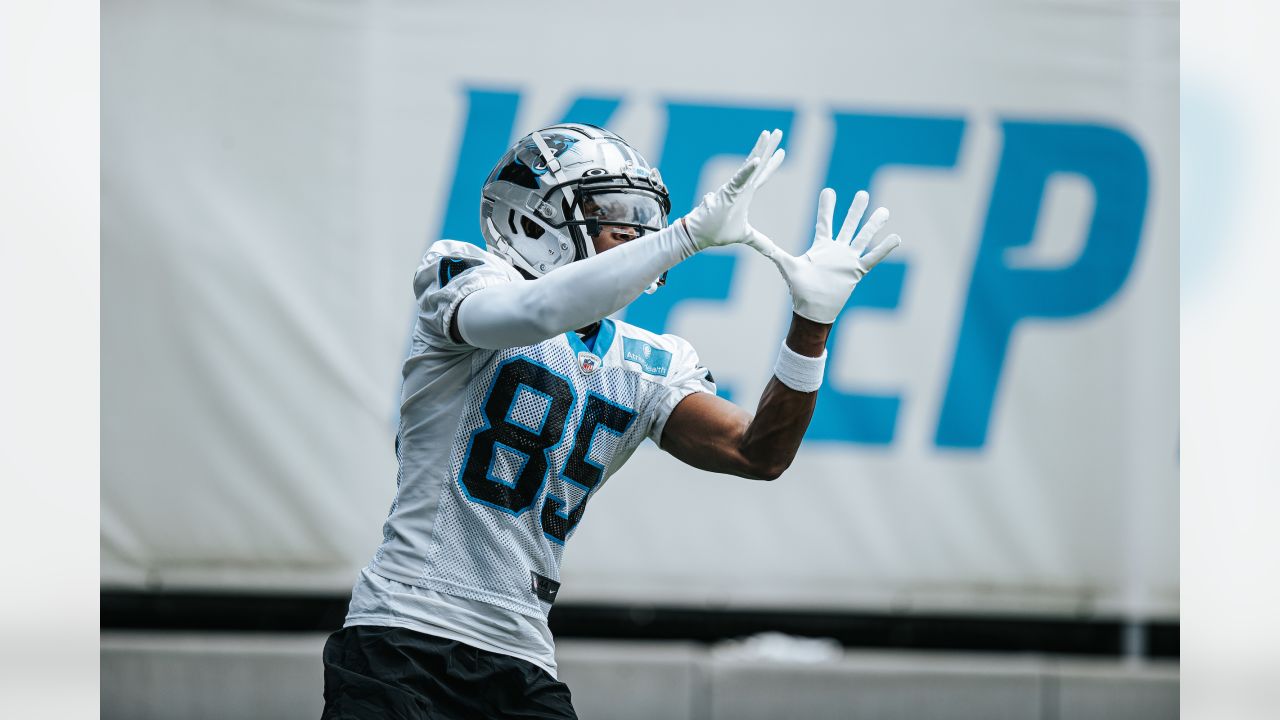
[{"x": 500, "y": 450}]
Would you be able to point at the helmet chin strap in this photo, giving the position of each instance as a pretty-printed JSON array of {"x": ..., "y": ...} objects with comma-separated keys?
[{"x": 553, "y": 167}]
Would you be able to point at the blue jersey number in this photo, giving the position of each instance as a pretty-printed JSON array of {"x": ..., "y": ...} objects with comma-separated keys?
[
  {"x": 580, "y": 469},
  {"x": 535, "y": 445}
]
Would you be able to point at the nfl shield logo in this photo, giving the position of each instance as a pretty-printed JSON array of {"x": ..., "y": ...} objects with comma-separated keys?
[{"x": 588, "y": 362}]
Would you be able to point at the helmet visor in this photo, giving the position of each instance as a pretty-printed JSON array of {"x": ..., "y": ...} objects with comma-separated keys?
[{"x": 632, "y": 209}]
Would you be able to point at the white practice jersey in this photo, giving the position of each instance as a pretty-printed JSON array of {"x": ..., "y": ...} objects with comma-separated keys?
[{"x": 500, "y": 452}]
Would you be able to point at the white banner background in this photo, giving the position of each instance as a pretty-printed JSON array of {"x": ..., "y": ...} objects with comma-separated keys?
[{"x": 273, "y": 170}]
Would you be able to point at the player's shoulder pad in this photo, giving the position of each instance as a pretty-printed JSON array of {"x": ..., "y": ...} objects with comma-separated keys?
[
  {"x": 445, "y": 260},
  {"x": 666, "y": 358}
]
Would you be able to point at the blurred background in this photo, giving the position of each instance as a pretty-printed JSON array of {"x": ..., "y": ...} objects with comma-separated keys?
[{"x": 983, "y": 521}]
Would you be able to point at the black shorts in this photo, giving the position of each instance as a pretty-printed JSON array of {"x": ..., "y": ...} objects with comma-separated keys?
[{"x": 389, "y": 672}]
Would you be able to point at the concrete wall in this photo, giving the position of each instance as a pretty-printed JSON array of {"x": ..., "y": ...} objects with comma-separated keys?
[{"x": 149, "y": 676}]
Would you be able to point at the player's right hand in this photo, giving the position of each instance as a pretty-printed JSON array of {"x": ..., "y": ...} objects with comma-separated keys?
[
  {"x": 721, "y": 217},
  {"x": 822, "y": 279}
]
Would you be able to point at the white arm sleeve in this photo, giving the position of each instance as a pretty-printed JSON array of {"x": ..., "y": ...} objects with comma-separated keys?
[{"x": 523, "y": 313}]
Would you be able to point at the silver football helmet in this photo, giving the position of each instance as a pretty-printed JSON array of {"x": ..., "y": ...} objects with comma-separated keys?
[{"x": 552, "y": 191}]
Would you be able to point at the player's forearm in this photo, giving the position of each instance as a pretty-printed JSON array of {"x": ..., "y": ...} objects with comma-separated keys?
[
  {"x": 773, "y": 437},
  {"x": 713, "y": 434},
  {"x": 574, "y": 296}
]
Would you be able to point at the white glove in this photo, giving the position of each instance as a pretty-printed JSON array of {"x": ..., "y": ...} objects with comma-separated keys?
[
  {"x": 822, "y": 279},
  {"x": 721, "y": 217}
]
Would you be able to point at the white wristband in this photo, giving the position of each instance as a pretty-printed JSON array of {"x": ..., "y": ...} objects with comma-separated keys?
[{"x": 798, "y": 372}]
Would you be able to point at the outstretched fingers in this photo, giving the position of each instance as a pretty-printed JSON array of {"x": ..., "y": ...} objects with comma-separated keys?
[
  {"x": 765, "y": 157},
  {"x": 763, "y": 176},
  {"x": 758, "y": 148},
  {"x": 880, "y": 251},
  {"x": 767, "y": 144},
  {"x": 740, "y": 178},
  {"x": 853, "y": 217},
  {"x": 766, "y": 151},
  {"x": 826, "y": 211},
  {"x": 874, "y": 224}
]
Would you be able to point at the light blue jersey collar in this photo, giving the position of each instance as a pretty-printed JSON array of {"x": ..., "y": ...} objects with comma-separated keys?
[{"x": 604, "y": 339}]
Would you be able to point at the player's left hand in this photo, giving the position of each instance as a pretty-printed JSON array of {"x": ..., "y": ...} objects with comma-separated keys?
[{"x": 822, "y": 279}]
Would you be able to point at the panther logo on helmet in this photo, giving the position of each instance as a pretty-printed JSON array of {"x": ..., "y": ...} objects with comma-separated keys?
[{"x": 531, "y": 155}]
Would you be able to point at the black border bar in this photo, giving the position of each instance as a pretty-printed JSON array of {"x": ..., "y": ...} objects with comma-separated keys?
[{"x": 216, "y": 612}]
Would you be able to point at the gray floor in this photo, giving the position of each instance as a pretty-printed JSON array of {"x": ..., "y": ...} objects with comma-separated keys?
[{"x": 167, "y": 675}]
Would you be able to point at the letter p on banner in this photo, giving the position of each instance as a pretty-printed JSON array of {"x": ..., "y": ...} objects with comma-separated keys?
[{"x": 1001, "y": 296}]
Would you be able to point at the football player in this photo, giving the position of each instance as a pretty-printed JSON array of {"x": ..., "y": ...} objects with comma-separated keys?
[{"x": 521, "y": 397}]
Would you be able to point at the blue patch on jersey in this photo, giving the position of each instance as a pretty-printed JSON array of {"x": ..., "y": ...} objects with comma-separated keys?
[{"x": 652, "y": 360}]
